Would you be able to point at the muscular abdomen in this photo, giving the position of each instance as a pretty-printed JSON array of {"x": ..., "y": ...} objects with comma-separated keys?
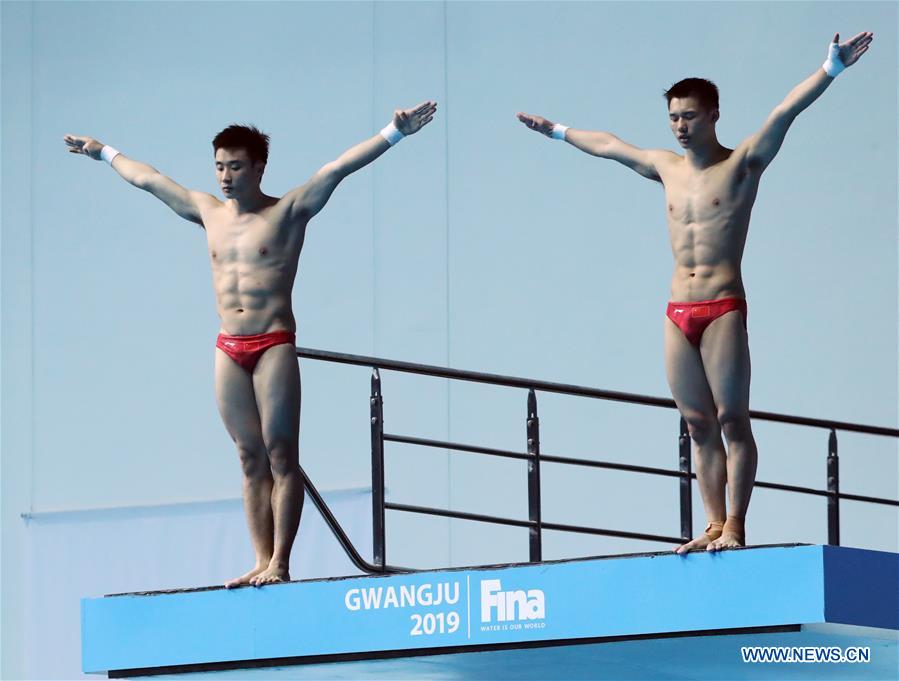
[
  {"x": 253, "y": 279},
  {"x": 708, "y": 219}
]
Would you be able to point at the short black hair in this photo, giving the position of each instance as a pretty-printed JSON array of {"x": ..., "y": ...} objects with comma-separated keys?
[
  {"x": 247, "y": 137},
  {"x": 704, "y": 90}
]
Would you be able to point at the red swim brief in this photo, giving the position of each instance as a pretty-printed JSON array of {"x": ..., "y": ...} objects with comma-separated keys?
[
  {"x": 246, "y": 350},
  {"x": 693, "y": 318}
]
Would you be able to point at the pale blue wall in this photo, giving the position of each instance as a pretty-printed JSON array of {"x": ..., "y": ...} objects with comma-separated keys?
[
  {"x": 16, "y": 432},
  {"x": 475, "y": 244}
]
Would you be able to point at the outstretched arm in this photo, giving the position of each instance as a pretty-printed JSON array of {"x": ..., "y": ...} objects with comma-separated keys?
[
  {"x": 142, "y": 176},
  {"x": 601, "y": 144},
  {"x": 310, "y": 198},
  {"x": 761, "y": 148}
]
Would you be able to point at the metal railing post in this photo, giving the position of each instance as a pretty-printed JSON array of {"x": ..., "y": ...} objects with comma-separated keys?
[
  {"x": 377, "y": 470},
  {"x": 833, "y": 487},
  {"x": 534, "y": 515},
  {"x": 686, "y": 491}
]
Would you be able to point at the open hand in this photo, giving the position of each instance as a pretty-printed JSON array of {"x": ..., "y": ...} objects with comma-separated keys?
[
  {"x": 410, "y": 121},
  {"x": 84, "y": 145},
  {"x": 854, "y": 48},
  {"x": 537, "y": 123}
]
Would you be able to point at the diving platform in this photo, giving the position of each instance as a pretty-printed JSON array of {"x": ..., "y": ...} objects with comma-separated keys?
[{"x": 657, "y": 615}]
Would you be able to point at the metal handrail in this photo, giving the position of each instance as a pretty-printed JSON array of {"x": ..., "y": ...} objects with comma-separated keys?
[
  {"x": 514, "y": 522},
  {"x": 611, "y": 465},
  {"x": 339, "y": 533},
  {"x": 570, "y": 389},
  {"x": 535, "y": 524}
]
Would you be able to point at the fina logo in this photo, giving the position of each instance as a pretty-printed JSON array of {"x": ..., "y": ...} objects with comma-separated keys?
[{"x": 510, "y": 605}]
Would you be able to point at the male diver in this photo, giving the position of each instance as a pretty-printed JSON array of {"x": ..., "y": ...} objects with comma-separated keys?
[
  {"x": 254, "y": 246},
  {"x": 709, "y": 193}
]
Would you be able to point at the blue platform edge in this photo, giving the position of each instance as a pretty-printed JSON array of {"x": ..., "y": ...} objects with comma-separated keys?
[
  {"x": 654, "y": 594},
  {"x": 861, "y": 585}
]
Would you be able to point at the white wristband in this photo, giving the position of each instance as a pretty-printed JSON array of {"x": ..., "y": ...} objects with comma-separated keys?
[
  {"x": 834, "y": 65},
  {"x": 558, "y": 132},
  {"x": 107, "y": 153},
  {"x": 391, "y": 134}
]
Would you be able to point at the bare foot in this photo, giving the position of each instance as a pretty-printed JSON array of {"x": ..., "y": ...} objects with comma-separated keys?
[
  {"x": 727, "y": 540},
  {"x": 711, "y": 534},
  {"x": 733, "y": 535},
  {"x": 271, "y": 575},
  {"x": 244, "y": 579}
]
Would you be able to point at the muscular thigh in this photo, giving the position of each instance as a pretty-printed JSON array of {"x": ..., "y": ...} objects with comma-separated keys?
[
  {"x": 686, "y": 375},
  {"x": 276, "y": 382},
  {"x": 236, "y": 401},
  {"x": 725, "y": 355}
]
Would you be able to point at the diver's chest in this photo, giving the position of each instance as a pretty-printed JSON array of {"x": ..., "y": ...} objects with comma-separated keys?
[
  {"x": 246, "y": 242},
  {"x": 704, "y": 197}
]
